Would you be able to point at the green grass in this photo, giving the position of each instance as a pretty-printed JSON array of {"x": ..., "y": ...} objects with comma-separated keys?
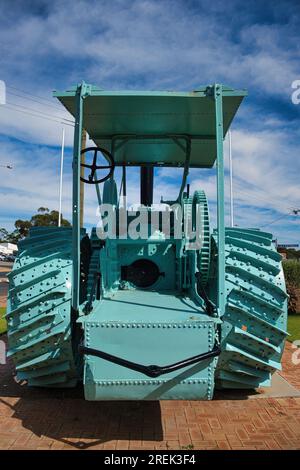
[
  {"x": 293, "y": 327},
  {"x": 3, "y": 325}
]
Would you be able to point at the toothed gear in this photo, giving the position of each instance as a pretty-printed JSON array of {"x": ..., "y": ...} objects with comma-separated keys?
[
  {"x": 203, "y": 259},
  {"x": 203, "y": 255}
]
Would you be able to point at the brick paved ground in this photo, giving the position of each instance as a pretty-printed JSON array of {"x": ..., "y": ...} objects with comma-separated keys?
[
  {"x": 290, "y": 371},
  {"x": 53, "y": 419},
  {"x": 41, "y": 419}
]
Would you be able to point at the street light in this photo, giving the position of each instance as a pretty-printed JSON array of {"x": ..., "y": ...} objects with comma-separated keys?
[{"x": 7, "y": 166}]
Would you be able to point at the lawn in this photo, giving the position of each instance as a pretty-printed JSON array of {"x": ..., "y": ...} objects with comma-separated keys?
[
  {"x": 3, "y": 325},
  {"x": 294, "y": 327}
]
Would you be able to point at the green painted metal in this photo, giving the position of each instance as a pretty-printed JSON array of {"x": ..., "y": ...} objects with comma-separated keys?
[
  {"x": 82, "y": 92},
  {"x": 39, "y": 309},
  {"x": 203, "y": 255},
  {"x": 148, "y": 327},
  {"x": 239, "y": 301},
  {"x": 142, "y": 125},
  {"x": 218, "y": 98},
  {"x": 255, "y": 318}
]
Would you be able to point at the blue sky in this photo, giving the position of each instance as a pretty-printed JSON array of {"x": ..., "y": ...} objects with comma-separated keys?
[{"x": 164, "y": 45}]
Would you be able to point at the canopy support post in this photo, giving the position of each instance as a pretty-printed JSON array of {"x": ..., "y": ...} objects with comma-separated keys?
[
  {"x": 83, "y": 144},
  {"x": 82, "y": 91},
  {"x": 218, "y": 99}
]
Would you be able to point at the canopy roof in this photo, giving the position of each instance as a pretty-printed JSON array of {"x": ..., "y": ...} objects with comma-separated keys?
[{"x": 151, "y": 127}]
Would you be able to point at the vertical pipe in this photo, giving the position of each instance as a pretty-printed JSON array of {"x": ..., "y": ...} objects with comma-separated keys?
[
  {"x": 220, "y": 198},
  {"x": 76, "y": 199},
  {"x": 97, "y": 190},
  {"x": 82, "y": 159},
  {"x": 124, "y": 180},
  {"x": 146, "y": 182},
  {"x": 61, "y": 174},
  {"x": 231, "y": 182}
]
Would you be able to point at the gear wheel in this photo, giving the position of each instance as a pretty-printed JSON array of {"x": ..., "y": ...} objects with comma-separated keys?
[
  {"x": 203, "y": 255},
  {"x": 200, "y": 199}
]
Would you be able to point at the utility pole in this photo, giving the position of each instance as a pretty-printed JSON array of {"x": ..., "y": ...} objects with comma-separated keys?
[
  {"x": 230, "y": 176},
  {"x": 82, "y": 159},
  {"x": 61, "y": 175}
]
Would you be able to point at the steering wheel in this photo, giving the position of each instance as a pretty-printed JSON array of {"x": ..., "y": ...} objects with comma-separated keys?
[{"x": 93, "y": 167}]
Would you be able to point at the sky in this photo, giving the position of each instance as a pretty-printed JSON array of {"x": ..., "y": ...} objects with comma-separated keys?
[{"x": 153, "y": 45}]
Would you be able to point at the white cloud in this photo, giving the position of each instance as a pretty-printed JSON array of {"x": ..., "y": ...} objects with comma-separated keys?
[{"x": 151, "y": 44}]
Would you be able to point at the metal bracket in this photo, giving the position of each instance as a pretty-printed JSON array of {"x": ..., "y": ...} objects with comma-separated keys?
[
  {"x": 86, "y": 89},
  {"x": 95, "y": 291},
  {"x": 210, "y": 306}
]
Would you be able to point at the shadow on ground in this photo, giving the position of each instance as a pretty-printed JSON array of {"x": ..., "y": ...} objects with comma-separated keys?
[
  {"x": 65, "y": 416},
  {"x": 81, "y": 424}
]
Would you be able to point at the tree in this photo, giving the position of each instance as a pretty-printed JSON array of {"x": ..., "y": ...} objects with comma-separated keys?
[
  {"x": 291, "y": 269},
  {"x": 12, "y": 237},
  {"x": 22, "y": 226},
  {"x": 43, "y": 218},
  {"x": 3, "y": 235},
  {"x": 293, "y": 254}
]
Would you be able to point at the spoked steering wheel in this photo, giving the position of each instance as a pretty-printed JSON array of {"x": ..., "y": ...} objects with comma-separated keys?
[{"x": 93, "y": 167}]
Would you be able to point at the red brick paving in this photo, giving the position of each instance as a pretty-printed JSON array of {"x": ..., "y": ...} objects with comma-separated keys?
[
  {"x": 291, "y": 371},
  {"x": 45, "y": 419}
]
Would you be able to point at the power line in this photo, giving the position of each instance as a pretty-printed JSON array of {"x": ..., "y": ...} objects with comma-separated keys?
[
  {"x": 40, "y": 112},
  {"x": 39, "y": 116},
  {"x": 255, "y": 197},
  {"x": 251, "y": 196},
  {"x": 35, "y": 112},
  {"x": 29, "y": 94},
  {"x": 295, "y": 212},
  {"x": 27, "y": 108},
  {"x": 52, "y": 105}
]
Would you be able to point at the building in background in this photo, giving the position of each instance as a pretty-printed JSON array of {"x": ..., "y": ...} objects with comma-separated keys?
[{"x": 7, "y": 248}]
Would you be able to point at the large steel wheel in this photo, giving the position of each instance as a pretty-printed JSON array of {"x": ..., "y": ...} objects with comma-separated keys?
[
  {"x": 39, "y": 309},
  {"x": 254, "y": 328}
]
